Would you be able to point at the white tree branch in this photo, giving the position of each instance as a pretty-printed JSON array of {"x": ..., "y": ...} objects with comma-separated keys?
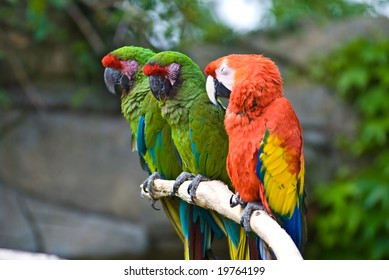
[
  {"x": 215, "y": 195},
  {"x": 8, "y": 254}
]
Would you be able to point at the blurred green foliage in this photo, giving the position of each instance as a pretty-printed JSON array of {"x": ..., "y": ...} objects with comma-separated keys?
[
  {"x": 147, "y": 21},
  {"x": 351, "y": 218},
  {"x": 291, "y": 14}
]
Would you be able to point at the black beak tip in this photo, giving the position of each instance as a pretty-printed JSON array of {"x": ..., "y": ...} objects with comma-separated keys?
[{"x": 221, "y": 90}]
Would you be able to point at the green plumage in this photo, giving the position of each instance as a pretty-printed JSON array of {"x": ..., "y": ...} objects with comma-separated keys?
[
  {"x": 197, "y": 125},
  {"x": 142, "y": 111},
  {"x": 197, "y": 130},
  {"x": 132, "y": 102}
]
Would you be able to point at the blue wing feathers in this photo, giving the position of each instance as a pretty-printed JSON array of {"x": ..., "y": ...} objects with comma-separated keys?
[
  {"x": 293, "y": 226},
  {"x": 259, "y": 170},
  {"x": 140, "y": 140}
]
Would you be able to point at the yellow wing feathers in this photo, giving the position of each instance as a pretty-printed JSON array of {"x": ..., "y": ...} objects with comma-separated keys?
[{"x": 279, "y": 182}]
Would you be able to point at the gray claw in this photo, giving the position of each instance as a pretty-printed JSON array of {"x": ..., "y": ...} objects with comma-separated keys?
[
  {"x": 153, "y": 205},
  {"x": 248, "y": 210},
  {"x": 194, "y": 184},
  {"x": 147, "y": 186},
  {"x": 236, "y": 200},
  {"x": 184, "y": 176}
]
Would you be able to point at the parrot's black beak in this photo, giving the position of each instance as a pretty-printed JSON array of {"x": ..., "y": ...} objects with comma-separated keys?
[
  {"x": 215, "y": 89},
  {"x": 160, "y": 86},
  {"x": 220, "y": 89},
  {"x": 116, "y": 82}
]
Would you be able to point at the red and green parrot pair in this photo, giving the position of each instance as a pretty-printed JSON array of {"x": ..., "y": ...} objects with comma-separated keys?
[{"x": 180, "y": 134}]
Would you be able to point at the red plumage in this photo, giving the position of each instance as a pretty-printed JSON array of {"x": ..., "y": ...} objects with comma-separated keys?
[
  {"x": 150, "y": 69},
  {"x": 256, "y": 104},
  {"x": 280, "y": 119},
  {"x": 265, "y": 159},
  {"x": 111, "y": 61}
]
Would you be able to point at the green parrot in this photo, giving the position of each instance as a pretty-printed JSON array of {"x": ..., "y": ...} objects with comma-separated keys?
[
  {"x": 152, "y": 138},
  {"x": 197, "y": 131}
]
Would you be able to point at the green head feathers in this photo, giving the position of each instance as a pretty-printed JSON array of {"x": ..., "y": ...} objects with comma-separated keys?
[
  {"x": 124, "y": 68},
  {"x": 123, "y": 77},
  {"x": 166, "y": 58},
  {"x": 141, "y": 55},
  {"x": 174, "y": 76}
]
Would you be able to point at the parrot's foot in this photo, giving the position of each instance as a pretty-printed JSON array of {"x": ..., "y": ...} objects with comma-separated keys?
[
  {"x": 237, "y": 200},
  {"x": 248, "y": 210},
  {"x": 147, "y": 186},
  {"x": 184, "y": 176},
  {"x": 194, "y": 184}
]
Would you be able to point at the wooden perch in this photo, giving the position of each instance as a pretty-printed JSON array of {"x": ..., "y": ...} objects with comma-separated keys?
[{"x": 215, "y": 195}]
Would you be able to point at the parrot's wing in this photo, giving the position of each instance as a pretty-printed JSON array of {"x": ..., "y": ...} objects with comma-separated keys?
[
  {"x": 155, "y": 150},
  {"x": 210, "y": 147},
  {"x": 157, "y": 141},
  {"x": 280, "y": 168},
  {"x": 141, "y": 146},
  {"x": 209, "y": 139}
]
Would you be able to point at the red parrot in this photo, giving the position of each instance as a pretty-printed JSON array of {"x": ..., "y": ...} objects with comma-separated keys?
[{"x": 265, "y": 159}]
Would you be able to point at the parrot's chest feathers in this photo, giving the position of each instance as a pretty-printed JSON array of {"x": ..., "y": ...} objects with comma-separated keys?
[
  {"x": 175, "y": 115},
  {"x": 242, "y": 160},
  {"x": 245, "y": 136},
  {"x": 241, "y": 121},
  {"x": 131, "y": 108}
]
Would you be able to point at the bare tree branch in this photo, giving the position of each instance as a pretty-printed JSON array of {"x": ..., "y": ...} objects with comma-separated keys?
[
  {"x": 21, "y": 74},
  {"x": 215, "y": 195},
  {"x": 86, "y": 27},
  {"x": 7, "y": 254}
]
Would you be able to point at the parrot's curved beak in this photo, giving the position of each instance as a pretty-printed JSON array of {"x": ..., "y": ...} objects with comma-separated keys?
[
  {"x": 216, "y": 89},
  {"x": 112, "y": 79},
  {"x": 160, "y": 86},
  {"x": 221, "y": 90}
]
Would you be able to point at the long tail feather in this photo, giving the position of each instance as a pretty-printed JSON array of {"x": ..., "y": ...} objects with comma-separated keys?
[{"x": 199, "y": 229}]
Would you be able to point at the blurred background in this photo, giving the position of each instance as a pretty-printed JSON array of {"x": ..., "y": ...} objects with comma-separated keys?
[{"x": 69, "y": 183}]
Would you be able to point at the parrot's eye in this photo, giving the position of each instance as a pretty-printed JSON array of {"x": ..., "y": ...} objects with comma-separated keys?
[
  {"x": 225, "y": 76},
  {"x": 225, "y": 71}
]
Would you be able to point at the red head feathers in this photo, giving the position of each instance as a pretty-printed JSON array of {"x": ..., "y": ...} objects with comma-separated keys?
[
  {"x": 111, "y": 61},
  {"x": 154, "y": 69}
]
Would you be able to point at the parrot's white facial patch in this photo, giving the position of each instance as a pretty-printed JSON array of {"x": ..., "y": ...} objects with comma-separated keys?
[
  {"x": 225, "y": 75},
  {"x": 211, "y": 92}
]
